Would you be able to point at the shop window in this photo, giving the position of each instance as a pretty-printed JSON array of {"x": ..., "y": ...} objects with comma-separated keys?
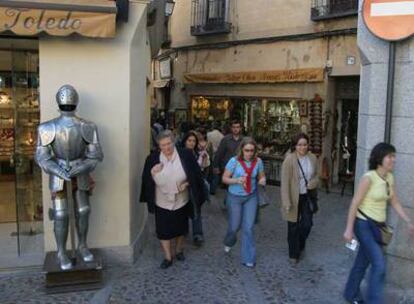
[
  {"x": 210, "y": 17},
  {"x": 271, "y": 122},
  {"x": 327, "y": 9},
  {"x": 20, "y": 177}
]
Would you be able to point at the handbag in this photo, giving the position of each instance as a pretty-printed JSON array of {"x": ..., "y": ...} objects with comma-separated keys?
[
  {"x": 386, "y": 231},
  {"x": 312, "y": 195},
  {"x": 262, "y": 197}
]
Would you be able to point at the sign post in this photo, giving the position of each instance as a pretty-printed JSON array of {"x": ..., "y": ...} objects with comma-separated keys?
[{"x": 390, "y": 20}]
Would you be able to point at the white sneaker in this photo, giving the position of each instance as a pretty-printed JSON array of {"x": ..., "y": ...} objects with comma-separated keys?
[
  {"x": 227, "y": 249},
  {"x": 250, "y": 265}
]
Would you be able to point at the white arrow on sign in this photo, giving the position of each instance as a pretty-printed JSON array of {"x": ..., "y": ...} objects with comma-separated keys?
[{"x": 402, "y": 8}]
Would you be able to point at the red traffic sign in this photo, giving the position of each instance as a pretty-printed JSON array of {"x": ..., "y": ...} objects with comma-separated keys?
[{"x": 389, "y": 19}]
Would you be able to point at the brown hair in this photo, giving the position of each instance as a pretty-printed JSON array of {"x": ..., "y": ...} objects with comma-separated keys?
[
  {"x": 296, "y": 139},
  {"x": 247, "y": 141}
]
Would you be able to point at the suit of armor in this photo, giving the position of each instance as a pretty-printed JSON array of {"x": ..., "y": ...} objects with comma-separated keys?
[{"x": 68, "y": 149}]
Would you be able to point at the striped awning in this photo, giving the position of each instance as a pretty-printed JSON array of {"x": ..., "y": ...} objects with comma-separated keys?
[{"x": 89, "y": 18}]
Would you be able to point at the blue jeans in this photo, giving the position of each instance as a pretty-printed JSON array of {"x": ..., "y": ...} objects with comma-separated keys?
[
  {"x": 242, "y": 211},
  {"x": 370, "y": 253}
]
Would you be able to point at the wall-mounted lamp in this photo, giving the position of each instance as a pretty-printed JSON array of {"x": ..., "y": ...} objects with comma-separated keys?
[{"x": 169, "y": 7}]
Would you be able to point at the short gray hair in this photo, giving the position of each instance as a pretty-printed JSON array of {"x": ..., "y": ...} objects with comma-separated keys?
[{"x": 165, "y": 134}]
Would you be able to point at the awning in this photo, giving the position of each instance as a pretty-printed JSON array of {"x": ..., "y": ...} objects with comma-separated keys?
[
  {"x": 279, "y": 76},
  {"x": 91, "y": 18}
]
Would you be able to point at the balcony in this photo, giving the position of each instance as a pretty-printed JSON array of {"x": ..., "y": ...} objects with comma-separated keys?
[
  {"x": 210, "y": 17},
  {"x": 328, "y": 9}
]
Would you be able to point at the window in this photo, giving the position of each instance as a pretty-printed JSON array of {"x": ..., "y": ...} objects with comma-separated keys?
[
  {"x": 326, "y": 9},
  {"x": 210, "y": 17}
]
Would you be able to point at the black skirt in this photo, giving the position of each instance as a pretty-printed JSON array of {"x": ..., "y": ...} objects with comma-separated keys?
[{"x": 170, "y": 224}]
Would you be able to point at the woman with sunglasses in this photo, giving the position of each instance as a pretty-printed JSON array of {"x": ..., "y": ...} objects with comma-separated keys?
[
  {"x": 367, "y": 210},
  {"x": 242, "y": 173},
  {"x": 299, "y": 181}
]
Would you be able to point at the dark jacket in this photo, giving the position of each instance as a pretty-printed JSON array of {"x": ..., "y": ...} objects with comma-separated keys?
[
  {"x": 194, "y": 178},
  {"x": 227, "y": 149}
]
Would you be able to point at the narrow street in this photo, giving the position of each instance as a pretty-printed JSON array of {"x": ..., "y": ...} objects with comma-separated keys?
[{"x": 210, "y": 276}]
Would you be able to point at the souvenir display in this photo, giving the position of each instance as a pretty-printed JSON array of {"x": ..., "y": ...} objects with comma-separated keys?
[
  {"x": 316, "y": 125},
  {"x": 271, "y": 122},
  {"x": 28, "y": 117},
  {"x": 206, "y": 109}
]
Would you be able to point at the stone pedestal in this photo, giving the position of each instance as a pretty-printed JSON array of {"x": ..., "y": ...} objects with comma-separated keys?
[{"x": 83, "y": 276}]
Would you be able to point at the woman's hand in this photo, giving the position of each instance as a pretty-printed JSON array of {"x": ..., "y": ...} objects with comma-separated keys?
[
  {"x": 348, "y": 235},
  {"x": 262, "y": 181},
  {"x": 157, "y": 168},
  {"x": 183, "y": 186},
  {"x": 241, "y": 181}
]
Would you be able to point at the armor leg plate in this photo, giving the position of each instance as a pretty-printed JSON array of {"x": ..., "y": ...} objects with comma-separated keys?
[
  {"x": 82, "y": 224},
  {"x": 61, "y": 222}
]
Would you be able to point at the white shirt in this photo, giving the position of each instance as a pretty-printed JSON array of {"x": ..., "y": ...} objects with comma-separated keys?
[
  {"x": 167, "y": 195},
  {"x": 308, "y": 170}
]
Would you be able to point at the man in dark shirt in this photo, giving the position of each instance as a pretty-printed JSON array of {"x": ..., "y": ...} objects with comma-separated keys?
[{"x": 228, "y": 147}]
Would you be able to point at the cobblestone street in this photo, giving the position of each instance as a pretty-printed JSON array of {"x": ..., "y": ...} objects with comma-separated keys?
[{"x": 210, "y": 276}]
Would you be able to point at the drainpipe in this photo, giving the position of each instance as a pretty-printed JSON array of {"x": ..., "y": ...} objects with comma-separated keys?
[{"x": 390, "y": 92}]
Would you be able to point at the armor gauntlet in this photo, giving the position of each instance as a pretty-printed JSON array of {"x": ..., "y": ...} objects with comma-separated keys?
[{"x": 44, "y": 159}]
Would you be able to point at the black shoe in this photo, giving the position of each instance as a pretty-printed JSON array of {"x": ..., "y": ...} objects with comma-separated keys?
[
  {"x": 198, "y": 240},
  {"x": 293, "y": 261},
  {"x": 180, "y": 256},
  {"x": 165, "y": 264}
]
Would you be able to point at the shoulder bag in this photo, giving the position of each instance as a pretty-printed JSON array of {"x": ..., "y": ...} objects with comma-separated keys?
[
  {"x": 312, "y": 195},
  {"x": 385, "y": 230}
]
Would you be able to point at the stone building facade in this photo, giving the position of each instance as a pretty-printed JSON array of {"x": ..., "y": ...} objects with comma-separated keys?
[
  {"x": 372, "y": 113},
  {"x": 289, "y": 41}
]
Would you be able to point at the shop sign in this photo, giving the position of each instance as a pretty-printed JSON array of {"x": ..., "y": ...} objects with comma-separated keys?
[
  {"x": 389, "y": 19},
  {"x": 298, "y": 75},
  {"x": 24, "y": 21}
]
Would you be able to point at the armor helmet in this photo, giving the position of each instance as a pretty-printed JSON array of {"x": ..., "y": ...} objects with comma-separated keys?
[{"x": 67, "y": 97}]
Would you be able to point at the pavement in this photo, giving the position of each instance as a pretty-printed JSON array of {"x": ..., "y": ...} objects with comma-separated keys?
[{"x": 210, "y": 276}]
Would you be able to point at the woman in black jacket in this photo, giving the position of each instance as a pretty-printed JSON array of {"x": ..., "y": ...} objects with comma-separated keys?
[
  {"x": 172, "y": 187},
  {"x": 190, "y": 142}
]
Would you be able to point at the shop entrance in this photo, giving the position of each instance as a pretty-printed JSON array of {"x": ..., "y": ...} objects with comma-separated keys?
[
  {"x": 347, "y": 99},
  {"x": 21, "y": 214}
]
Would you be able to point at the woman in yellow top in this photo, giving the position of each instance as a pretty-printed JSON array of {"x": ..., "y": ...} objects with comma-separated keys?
[{"x": 368, "y": 207}]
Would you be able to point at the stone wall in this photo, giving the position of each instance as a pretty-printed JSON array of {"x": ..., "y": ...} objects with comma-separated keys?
[
  {"x": 373, "y": 89},
  {"x": 110, "y": 76}
]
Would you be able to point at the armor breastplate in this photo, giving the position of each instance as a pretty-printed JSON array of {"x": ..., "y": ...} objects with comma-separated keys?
[{"x": 68, "y": 142}]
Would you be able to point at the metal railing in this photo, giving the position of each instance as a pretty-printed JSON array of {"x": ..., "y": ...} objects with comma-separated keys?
[
  {"x": 210, "y": 17},
  {"x": 327, "y": 9}
]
